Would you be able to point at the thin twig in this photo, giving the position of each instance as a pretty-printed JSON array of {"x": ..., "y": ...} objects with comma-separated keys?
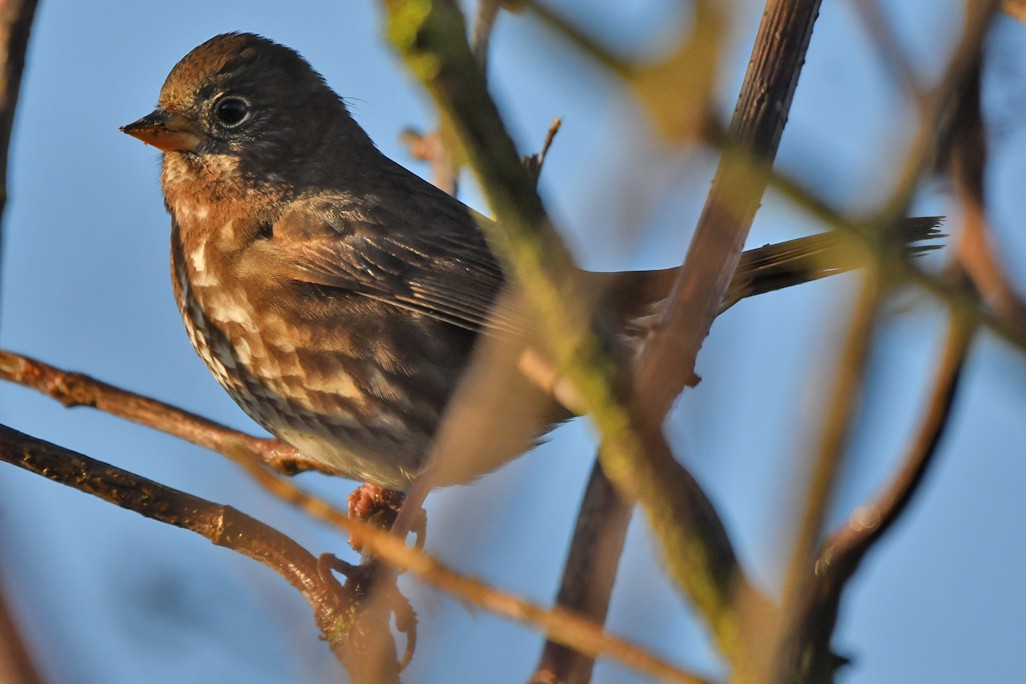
[
  {"x": 534, "y": 162},
  {"x": 15, "y": 25},
  {"x": 889, "y": 48},
  {"x": 806, "y": 653},
  {"x": 675, "y": 89},
  {"x": 939, "y": 105},
  {"x": 967, "y": 141},
  {"x": 871, "y": 521},
  {"x": 843, "y": 402}
]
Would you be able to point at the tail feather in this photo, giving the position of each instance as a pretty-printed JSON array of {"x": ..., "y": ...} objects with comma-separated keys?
[
  {"x": 634, "y": 297},
  {"x": 774, "y": 267}
]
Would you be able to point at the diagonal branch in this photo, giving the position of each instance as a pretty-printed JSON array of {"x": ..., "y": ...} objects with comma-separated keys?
[
  {"x": 813, "y": 590},
  {"x": 588, "y": 575},
  {"x": 1014, "y": 8},
  {"x": 844, "y": 398},
  {"x": 758, "y": 123},
  {"x": 16, "y": 664},
  {"x": 76, "y": 389},
  {"x": 15, "y": 25},
  {"x": 806, "y": 654},
  {"x": 697, "y": 550}
]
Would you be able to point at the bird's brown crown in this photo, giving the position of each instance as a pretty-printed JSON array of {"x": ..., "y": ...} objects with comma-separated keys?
[{"x": 241, "y": 60}]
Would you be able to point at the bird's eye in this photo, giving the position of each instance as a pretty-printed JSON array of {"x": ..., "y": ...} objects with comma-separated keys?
[{"x": 231, "y": 111}]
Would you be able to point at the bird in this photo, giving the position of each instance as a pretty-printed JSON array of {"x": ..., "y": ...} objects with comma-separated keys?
[{"x": 337, "y": 296}]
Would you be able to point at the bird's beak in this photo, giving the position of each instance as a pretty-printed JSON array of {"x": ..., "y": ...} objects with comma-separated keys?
[{"x": 167, "y": 132}]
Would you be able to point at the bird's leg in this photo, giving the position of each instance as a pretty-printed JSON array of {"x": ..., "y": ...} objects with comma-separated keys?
[{"x": 382, "y": 508}]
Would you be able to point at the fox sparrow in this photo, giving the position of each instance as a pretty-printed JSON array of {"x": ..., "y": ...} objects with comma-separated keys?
[{"x": 335, "y": 295}]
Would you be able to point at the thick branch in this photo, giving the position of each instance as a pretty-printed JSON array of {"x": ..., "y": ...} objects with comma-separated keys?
[
  {"x": 589, "y": 574},
  {"x": 759, "y": 118},
  {"x": 697, "y": 550}
]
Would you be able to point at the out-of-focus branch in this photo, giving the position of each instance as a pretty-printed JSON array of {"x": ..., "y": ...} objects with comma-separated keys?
[
  {"x": 15, "y": 25},
  {"x": 889, "y": 48},
  {"x": 589, "y": 574},
  {"x": 814, "y": 589},
  {"x": 697, "y": 550},
  {"x": 939, "y": 105},
  {"x": 844, "y": 396},
  {"x": 889, "y": 256},
  {"x": 1014, "y": 8},
  {"x": 441, "y": 148},
  {"x": 967, "y": 142},
  {"x": 484, "y": 24},
  {"x": 675, "y": 89},
  {"x": 16, "y": 666},
  {"x": 806, "y": 654},
  {"x": 16, "y": 18},
  {"x": 593, "y": 558}
]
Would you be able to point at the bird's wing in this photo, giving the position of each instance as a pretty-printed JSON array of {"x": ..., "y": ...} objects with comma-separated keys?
[{"x": 442, "y": 268}]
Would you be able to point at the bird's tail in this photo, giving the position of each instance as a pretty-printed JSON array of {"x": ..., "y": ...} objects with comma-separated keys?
[
  {"x": 773, "y": 267},
  {"x": 635, "y": 296}
]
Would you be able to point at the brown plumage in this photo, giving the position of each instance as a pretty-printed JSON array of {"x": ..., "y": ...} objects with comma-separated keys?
[{"x": 334, "y": 294}]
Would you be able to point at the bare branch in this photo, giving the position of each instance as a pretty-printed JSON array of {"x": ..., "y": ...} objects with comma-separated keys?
[
  {"x": 334, "y": 608},
  {"x": 484, "y": 23},
  {"x": 696, "y": 548},
  {"x": 669, "y": 359},
  {"x": 825, "y": 466},
  {"x": 1014, "y": 8},
  {"x": 534, "y": 162},
  {"x": 806, "y": 654},
  {"x": 589, "y": 574},
  {"x": 76, "y": 389},
  {"x": 15, "y": 24},
  {"x": 967, "y": 140},
  {"x": 16, "y": 666}
]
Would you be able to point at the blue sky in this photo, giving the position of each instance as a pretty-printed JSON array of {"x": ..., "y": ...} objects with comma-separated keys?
[{"x": 86, "y": 287}]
